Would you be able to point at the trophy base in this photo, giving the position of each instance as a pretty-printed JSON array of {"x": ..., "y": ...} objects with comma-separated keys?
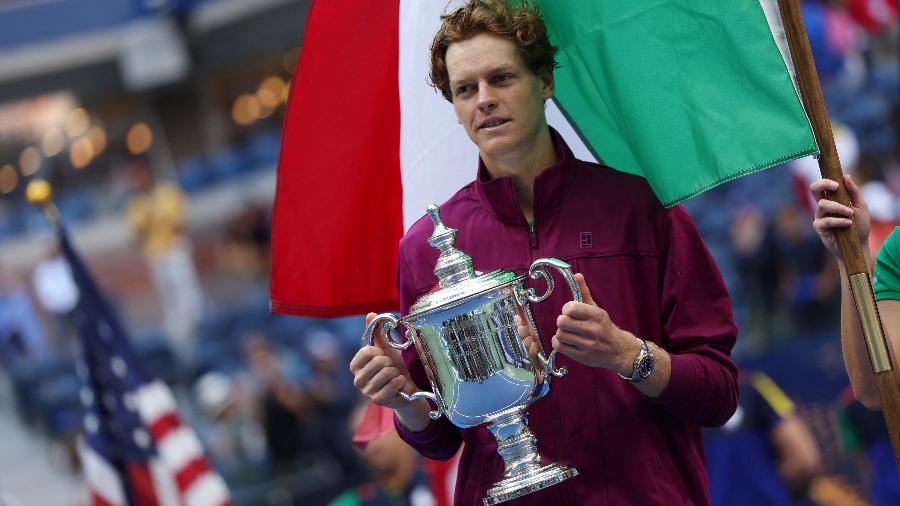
[{"x": 527, "y": 483}]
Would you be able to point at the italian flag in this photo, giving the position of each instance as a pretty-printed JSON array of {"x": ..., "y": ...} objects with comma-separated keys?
[{"x": 686, "y": 94}]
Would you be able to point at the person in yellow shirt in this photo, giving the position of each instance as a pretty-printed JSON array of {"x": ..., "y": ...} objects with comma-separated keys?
[{"x": 156, "y": 214}]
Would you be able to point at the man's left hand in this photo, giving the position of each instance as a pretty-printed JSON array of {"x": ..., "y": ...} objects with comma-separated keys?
[{"x": 586, "y": 334}]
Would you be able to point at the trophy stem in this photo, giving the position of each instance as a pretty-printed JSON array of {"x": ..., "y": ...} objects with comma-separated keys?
[
  {"x": 515, "y": 442},
  {"x": 523, "y": 472}
]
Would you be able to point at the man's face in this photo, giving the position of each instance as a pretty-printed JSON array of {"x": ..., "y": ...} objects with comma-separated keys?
[{"x": 498, "y": 100}]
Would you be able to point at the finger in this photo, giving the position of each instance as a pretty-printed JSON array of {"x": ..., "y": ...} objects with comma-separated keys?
[
  {"x": 565, "y": 349},
  {"x": 856, "y": 196},
  {"x": 571, "y": 339},
  {"x": 379, "y": 380},
  {"x": 370, "y": 369},
  {"x": 390, "y": 391},
  {"x": 569, "y": 324},
  {"x": 830, "y": 222},
  {"x": 534, "y": 349},
  {"x": 583, "y": 288},
  {"x": 363, "y": 356},
  {"x": 826, "y": 206},
  {"x": 581, "y": 311},
  {"x": 818, "y": 188},
  {"x": 369, "y": 318}
]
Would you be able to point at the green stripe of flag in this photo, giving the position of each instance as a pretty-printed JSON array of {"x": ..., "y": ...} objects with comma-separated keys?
[{"x": 686, "y": 93}]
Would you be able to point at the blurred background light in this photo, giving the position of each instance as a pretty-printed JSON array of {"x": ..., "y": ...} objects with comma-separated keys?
[
  {"x": 81, "y": 153},
  {"x": 139, "y": 138},
  {"x": 77, "y": 122},
  {"x": 97, "y": 137},
  {"x": 246, "y": 109},
  {"x": 30, "y": 160},
  {"x": 9, "y": 179},
  {"x": 53, "y": 142}
]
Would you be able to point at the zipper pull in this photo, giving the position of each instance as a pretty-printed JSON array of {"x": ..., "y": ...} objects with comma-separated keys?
[{"x": 533, "y": 235}]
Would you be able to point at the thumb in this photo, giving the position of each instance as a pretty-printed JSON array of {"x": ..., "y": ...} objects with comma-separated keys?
[
  {"x": 585, "y": 291},
  {"x": 856, "y": 197}
]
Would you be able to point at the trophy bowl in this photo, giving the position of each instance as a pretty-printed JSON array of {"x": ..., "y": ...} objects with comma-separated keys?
[{"x": 478, "y": 367}]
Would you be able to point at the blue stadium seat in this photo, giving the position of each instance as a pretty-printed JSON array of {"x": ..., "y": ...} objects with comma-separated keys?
[{"x": 193, "y": 174}]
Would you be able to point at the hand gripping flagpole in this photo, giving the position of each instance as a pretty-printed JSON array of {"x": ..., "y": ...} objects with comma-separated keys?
[{"x": 880, "y": 352}]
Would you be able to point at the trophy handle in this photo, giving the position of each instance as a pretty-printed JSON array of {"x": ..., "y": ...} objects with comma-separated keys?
[
  {"x": 390, "y": 321},
  {"x": 434, "y": 414},
  {"x": 537, "y": 270}
]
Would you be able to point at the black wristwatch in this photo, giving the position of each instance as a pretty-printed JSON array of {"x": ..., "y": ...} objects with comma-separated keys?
[{"x": 643, "y": 364}]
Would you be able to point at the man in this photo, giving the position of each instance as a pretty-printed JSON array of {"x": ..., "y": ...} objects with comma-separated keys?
[
  {"x": 656, "y": 311},
  {"x": 156, "y": 214},
  {"x": 395, "y": 476},
  {"x": 831, "y": 215},
  {"x": 765, "y": 454}
]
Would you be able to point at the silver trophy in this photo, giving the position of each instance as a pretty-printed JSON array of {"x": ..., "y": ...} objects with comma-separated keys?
[{"x": 479, "y": 369}]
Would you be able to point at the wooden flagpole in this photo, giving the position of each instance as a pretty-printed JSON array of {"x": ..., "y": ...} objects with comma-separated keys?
[{"x": 880, "y": 352}]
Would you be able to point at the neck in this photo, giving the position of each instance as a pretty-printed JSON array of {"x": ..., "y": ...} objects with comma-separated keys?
[{"x": 523, "y": 168}]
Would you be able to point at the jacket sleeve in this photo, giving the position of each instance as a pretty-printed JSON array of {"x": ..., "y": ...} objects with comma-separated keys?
[
  {"x": 440, "y": 440},
  {"x": 698, "y": 326}
]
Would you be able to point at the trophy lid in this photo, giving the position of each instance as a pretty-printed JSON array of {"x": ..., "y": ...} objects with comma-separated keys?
[{"x": 456, "y": 275}]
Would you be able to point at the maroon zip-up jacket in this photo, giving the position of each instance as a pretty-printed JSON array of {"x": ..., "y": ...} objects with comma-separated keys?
[{"x": 644, "y": 264}]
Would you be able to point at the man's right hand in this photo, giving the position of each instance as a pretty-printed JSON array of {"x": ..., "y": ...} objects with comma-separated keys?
[
  {"x": 380, "y": 373},
  {"x": 831, "y": 215}
]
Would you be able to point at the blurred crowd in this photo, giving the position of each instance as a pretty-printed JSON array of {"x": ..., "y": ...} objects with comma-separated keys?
[{"x": 271, "y": 396}]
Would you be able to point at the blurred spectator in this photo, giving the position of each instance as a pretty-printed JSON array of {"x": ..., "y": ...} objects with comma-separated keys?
[
  {"x": 156, "y": 214},
  {"x": 235, "y": 442},
  {"x": 284, "y": 408},
  {"x": 764, "y": 454},
  {"x": 23, "y": 344},
  {"x": 57, "y": 294},
  {"x": 248, "y": 234},
  {"x": 331, "y": 390},
  {"x": 396, "y": 476},
  {"x": 22, "y": 338},
  {"x": 808, "y": 281},
  {"x": 863, "y": 432}
]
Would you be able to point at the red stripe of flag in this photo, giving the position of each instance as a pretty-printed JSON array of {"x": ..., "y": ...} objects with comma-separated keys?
[
  {"x": 340, "y": 144},
  {"x": 141, "y": 485},
  {"x": 189, "y": 473},
  {"x": 164, "y": 425},
  {"x": 98, "y": 500}
]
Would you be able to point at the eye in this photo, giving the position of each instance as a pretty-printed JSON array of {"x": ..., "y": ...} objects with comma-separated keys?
[
  {"x": 503, "y": 78},
  {"x": 464, "y": 89}
]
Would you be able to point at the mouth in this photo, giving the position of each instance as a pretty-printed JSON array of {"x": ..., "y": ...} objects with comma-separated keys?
[{"x": 493, "y": 123}]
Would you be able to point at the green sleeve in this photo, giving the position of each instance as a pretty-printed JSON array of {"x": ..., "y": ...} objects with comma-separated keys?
[
  {"x": 886, "y": 282},
  {"x": 348, "y": 498}
]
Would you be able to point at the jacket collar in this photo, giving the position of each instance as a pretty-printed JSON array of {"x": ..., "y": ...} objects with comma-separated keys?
[{"x": 550, "y": 187}]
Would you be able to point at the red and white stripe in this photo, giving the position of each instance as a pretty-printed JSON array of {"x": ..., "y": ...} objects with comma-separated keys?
[
  {"x": 389, "y": 144},
  {"x": 181, "y": 474}
]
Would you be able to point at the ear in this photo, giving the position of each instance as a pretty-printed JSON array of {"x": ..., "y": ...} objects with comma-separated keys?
[{"x": 547, "y": 84}]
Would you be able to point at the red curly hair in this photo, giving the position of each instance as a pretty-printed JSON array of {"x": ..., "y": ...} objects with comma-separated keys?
[{"x": 521, "y": 23}]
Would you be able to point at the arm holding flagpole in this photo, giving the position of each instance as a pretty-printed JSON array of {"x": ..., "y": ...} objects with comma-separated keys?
[{"x": 855, "y": 265}]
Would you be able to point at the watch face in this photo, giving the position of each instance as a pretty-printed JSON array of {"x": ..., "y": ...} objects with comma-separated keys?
[{"x": 645, "y": 367}]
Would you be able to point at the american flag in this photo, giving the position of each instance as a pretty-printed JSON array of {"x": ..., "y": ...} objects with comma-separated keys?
[{"x": 135, "y": 451}]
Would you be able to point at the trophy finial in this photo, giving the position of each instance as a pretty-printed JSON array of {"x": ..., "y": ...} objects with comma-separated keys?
[{"x": 453, "y": 265}]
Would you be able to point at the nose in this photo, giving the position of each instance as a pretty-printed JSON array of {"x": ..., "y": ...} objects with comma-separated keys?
[{"x": 487, "y": 100}]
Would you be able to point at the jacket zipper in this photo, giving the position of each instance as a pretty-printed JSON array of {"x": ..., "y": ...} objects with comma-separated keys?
[
  {"x": 562, "y": 496},
  {"x": 532, "y": 234}
]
